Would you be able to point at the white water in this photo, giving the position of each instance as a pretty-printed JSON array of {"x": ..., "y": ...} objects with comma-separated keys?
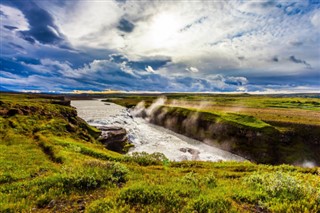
[{"x": 148, "y": 137}]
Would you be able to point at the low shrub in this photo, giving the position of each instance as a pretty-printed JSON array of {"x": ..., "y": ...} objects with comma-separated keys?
[
  {"x": 192, "y": 178},
  {"x": 145, "y": 159},
  {"x": 6, "y": 178},
  {"x": 210, "y": 203},
  {"x": 94, "y": 174},
  {"x": 88, "y": 176},
  {"x": 142, "y": 194},
  {"x": 107, "y": 205},
  {"x": 277, "y": 184},
  {"x": 280, "y": 192}
]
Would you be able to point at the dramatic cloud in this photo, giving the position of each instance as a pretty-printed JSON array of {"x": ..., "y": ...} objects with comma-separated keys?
[
  {"x": 299, "y": 61},
  {"x": 41, "y": 24},
  {"x": 160, "y": 45},
  {"x": 125, "y": 26}
]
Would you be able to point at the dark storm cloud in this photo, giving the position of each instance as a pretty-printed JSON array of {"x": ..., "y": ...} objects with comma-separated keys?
[
  {"x": 29, "y": 39},
  {"x": 296, "y": 43},
  {"x": 311, "y": 78},
  {"x": 10, "y": 27},
  {"x": 268, "y": 4},
  {"x": 199, "y": 21},
  {"x": 275, "y": 59},
  {"x": 16, "y": 46},
  {"x": 121, "y": 1},
  {"x": 3, "y": 14},
  {"x": 154, "y": 62},
  {"x": 118, "y": 58},
  {"x": 42, "y": 26},
  {"x": 125, "y": 26},
  {"x": 291, "y": 8},
  {"x": 14, "y": 67},
  {"x": 299, "y": 61},
  {"x": 27, "y": 60}
]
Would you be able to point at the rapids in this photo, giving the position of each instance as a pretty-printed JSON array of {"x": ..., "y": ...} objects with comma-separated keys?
[{"x": 148, "y": 137}]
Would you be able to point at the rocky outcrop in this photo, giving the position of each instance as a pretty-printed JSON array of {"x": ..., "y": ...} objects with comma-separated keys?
[
  {"x": 195, "y": 153},
  {"x": 114, "y": 138}
]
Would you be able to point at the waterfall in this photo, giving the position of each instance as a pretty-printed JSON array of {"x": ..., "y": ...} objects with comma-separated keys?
[{"x": 148, "y": 137}]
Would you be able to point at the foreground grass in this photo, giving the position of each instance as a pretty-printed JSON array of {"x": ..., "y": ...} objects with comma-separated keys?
[{"x": 51, "y": 162}]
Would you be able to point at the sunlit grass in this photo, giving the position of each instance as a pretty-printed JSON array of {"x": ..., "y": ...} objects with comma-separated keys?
[{"x": 50, "y": 162}]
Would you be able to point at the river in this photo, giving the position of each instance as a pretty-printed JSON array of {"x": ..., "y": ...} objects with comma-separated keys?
[{"x": 148, "y": 137}]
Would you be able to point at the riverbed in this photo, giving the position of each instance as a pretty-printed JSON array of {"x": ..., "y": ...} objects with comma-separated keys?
[{"x": 147, "y": 137}]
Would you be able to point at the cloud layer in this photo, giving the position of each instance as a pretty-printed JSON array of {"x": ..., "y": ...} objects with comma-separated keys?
[{"x": 160, "y": 45}]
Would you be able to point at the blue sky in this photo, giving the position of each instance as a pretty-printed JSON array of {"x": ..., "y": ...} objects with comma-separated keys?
[{"x": 167, "y": 46}]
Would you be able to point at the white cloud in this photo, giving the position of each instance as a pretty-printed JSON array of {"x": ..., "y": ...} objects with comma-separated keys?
[
  {"x": 149, "y": 69},
  {"x": 209, "y": 35},
  {"x": 102, "y": 74},
  {"x": 12, "y": 21},
  {"x": 192, "y": 69},
  {"x": 242, "y": 89},
  {"x": 89, "y": 24},
  {"x": 238, "y": 80},
  {"x": 315, "y": 20},
  {"x": 13, "y": 17}
]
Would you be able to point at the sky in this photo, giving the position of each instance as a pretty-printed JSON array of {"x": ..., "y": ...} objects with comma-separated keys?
[{"x": 165, "y": 46}]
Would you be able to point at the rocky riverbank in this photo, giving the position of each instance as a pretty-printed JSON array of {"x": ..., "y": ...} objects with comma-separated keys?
[{"x": 114, "y": 138}]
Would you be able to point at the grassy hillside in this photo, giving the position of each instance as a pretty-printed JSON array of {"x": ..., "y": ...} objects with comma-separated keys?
[{"x": 50, "y": 161}]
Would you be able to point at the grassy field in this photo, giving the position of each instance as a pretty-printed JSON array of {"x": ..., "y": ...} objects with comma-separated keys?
[
  {"x": 50, "y": 161},
  {"x": 303, "y": 109}
]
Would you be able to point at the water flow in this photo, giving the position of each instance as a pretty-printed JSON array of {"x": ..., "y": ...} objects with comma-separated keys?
[{"x": 148, "y": 137}]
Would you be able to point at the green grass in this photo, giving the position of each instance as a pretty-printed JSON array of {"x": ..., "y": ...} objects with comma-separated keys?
[
  {"x": 301, "y": 109},
  {"x": 50, "y": 161},
  {"x": 309, "y": 102},
  {"x": 237, "y": 118}
]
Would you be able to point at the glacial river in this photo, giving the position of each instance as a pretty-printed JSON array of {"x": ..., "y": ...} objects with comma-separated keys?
[{"x": 148, "y": 137}]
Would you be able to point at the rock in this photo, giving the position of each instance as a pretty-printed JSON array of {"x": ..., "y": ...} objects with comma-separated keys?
[
  {"x": 109, "y": 128},
  {"x": 114, "y": 138},
  {"x": 195, "y": 153},
  {"x": 183, "y": 149},
  {"x": 61, "y": 102},
  {"x": 190, "y": 150}
]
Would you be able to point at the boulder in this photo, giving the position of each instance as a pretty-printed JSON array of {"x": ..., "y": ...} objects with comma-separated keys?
[
  {"x": 195, "y": 153},
  {"x": 114, "y": 138}
]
